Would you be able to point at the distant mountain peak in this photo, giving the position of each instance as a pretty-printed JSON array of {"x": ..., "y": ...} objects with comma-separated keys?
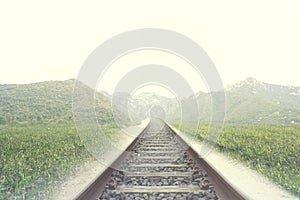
[{"x": 249, "y": 82}]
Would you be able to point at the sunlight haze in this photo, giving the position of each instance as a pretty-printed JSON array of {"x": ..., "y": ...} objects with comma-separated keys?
[{"x": 50, "y": 41}]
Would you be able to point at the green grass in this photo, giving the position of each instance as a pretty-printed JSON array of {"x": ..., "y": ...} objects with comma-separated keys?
[
  {"x": 35, "y": 158},
  {"x": 272, "y": 150}
]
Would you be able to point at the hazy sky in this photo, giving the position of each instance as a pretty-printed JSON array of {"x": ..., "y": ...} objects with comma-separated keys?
[{"x": 50, "y": 40}]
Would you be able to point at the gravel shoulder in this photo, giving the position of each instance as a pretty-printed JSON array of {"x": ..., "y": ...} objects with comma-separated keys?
[{"x": 70, "y": 188}]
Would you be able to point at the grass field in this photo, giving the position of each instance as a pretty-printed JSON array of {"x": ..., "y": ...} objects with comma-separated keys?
[
  {"x": 35, "y": 158},
  {"x": 273, "y": 150}
]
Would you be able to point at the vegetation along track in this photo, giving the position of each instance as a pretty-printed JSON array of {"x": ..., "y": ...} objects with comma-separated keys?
[{"x": 160, "y": 166}]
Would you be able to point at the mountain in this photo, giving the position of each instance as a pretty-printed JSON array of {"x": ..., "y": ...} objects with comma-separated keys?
[
  {"x": 49, "y": 101},
  {"x": 150, "y": 104},
  {"x": 253, "y": 101},
  {"x": 136, "y": 108},
  {"x": 249, "y": 101}
]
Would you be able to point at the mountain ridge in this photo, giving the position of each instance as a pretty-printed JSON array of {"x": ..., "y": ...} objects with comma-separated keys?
[
  {"x": 254, "y": 101},
  {"x": 248, "y": 101}
]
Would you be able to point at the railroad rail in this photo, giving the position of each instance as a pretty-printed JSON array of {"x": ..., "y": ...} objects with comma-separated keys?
[{"x": 161, "y": 166}]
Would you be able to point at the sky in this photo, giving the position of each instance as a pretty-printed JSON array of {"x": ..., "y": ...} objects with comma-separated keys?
[{"x": 50, "y": 40}]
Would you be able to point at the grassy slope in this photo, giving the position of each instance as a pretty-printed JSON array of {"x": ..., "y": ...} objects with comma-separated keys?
[
  {"x": 252, "y": 101},
  {"x": 49, "y": 101}
]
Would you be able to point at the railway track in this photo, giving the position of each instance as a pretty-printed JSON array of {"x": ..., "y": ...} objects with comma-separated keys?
[{"x": 161, "y": 166}]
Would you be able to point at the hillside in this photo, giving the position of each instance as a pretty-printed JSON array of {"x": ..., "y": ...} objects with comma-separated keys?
[
  {"x": 249, "y": 101},
  {"x": 254, "y": 101},
  {"x": 49, "y": 101}
]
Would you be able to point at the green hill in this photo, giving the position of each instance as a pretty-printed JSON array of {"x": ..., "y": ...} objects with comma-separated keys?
[
  {"x": 49, "y": 101},
  {"x": 249, "y": 101},
  {"x": 252, "y": 101}
]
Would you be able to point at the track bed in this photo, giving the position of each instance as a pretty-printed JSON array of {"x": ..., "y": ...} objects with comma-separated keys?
[{"x": 160, "y": 165}]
